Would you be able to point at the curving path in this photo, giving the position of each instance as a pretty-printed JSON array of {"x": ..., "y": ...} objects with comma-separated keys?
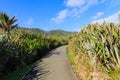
[{"x": 54, "y": 66}]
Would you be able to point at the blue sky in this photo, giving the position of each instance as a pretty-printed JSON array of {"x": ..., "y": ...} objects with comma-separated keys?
[{"x": 70, "y": 15}]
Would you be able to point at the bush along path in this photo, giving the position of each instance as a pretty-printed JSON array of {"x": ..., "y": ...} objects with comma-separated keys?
[
  {"x": 54, "y": 66},
  {"x": 95, "y": 52},
  {"x": 20, "y": 47}
]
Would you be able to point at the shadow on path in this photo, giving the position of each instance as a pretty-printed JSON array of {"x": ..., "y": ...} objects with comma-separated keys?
[
  {"x": 40, "y": 70},
  {"x": 54, "y": 66},
  {"x": 37, "y": 72}
]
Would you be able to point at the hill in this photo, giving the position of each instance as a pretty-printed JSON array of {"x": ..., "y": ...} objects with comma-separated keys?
[
  {"x": 36, "y": 30},
  {"x": 51, "y": 33},
  {"x": 60, "y": 33}
]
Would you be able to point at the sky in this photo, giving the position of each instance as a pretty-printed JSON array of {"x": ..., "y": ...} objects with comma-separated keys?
[{"x": 69, "y": 15}]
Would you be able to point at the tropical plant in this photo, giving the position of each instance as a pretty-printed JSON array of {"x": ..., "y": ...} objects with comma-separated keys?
[
  {"x": 6, "y": 23},
  {"x": 99, "y": 44}
]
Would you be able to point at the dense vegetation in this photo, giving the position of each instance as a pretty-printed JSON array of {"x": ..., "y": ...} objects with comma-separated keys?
[
  {"x": 60, "y": 33},
  {"x": 21, "y": 47},
  {"x": 95, "y": 52}
]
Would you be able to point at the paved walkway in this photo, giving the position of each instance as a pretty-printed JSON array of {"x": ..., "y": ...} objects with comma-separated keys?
[{"x": 54, "y": 66}]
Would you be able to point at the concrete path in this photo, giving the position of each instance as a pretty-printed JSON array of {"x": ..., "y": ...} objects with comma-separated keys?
[{"x": 54, "y": 66}]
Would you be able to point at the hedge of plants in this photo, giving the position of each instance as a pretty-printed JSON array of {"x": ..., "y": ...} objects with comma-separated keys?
[
  {"x": 19, "y": 47},
  {"x": 97, "y": 52}
]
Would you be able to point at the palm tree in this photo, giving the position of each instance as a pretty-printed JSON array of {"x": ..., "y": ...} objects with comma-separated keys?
[{"x": 6, "y": 23}]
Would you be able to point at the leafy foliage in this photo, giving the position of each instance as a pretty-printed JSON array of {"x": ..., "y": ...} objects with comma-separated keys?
[
  {"x": 6, "y": 23},
  {"x": 99, "y": 44},
  {"x": 23, "y": 46}
]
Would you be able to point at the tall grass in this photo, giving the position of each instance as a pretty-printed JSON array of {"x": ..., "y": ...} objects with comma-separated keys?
[{"x": 99, "y": 45}]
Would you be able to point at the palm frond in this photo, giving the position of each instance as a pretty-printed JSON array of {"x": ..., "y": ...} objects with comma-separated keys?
[
  {"x": 12, "y": 21},
  {"x": 14, "y": 26},
  {"x": 6, "y": 17},
  {"x": 6, "y": 23}
]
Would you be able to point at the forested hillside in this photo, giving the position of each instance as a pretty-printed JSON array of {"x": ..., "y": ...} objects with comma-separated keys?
[{"x": 60, "y": 33}]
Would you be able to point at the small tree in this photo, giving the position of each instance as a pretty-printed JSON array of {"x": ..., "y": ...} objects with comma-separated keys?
[{"x": 6, "y": 23}]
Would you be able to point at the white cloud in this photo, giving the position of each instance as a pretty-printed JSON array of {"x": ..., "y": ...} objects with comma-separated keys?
[
  {"x": 80, "y": 6},
  {"x": 75, "y": 3},
  {"x": 29, "y": 22},
  {"x": 113, "y": 18},
  {"x": 98, "y": 15},
  {"x": 87, "y": 5},
  {"x": 75, "y": 8},
  {"x": 60, "y": 16}
]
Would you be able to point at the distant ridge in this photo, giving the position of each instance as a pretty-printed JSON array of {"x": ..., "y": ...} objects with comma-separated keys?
[
  {"x": 60, "y": 33},
  {"x": 52, "y": 32}
]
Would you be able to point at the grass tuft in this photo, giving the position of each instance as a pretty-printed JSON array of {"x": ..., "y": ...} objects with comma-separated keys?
[{"x": 71, "y": 58}]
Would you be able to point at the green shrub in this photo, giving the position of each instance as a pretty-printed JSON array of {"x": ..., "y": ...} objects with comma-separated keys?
[{"x": 100, "y": 43}]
